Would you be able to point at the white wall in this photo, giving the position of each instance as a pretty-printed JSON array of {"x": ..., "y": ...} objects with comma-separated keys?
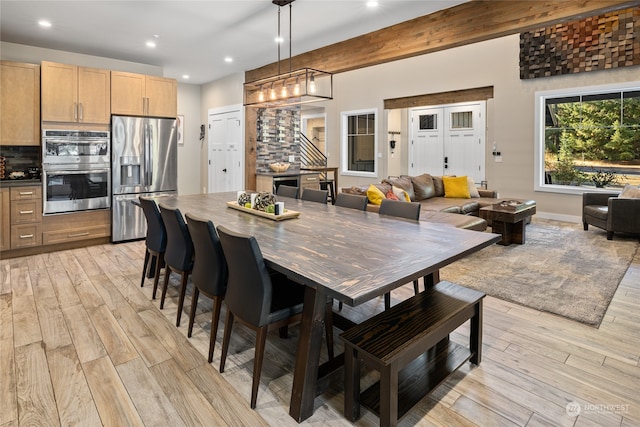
[
  {"x": 34, "y": 55},
  {"x": 510, "y": 115},
  {"x": 189, "y": 152},
  {"x": 225, "y": 92}
]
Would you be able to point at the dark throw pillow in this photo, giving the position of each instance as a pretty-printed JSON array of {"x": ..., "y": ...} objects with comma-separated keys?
[{"x": 423, "y": 187}]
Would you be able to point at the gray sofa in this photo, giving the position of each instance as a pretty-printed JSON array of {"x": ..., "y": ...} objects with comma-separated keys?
[{"x": 428, "y": 190}]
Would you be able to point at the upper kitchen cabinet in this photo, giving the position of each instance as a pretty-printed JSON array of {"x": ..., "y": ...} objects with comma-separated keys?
[
  {"x": 141, "y": 95},
  {"x": 73, "y": 94},
  {"x": 20, "y": 109}
]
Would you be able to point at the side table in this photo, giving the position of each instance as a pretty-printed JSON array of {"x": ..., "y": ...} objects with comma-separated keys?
[{"x": 509, "y": 222}]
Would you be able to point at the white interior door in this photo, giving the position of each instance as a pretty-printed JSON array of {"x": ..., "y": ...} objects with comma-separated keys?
[
  {"x": 448, "y": 140},
  {"x": 426, "y": 152},
  {"x": 225, "y": 151},
  {"x": 464, "y": 141}
]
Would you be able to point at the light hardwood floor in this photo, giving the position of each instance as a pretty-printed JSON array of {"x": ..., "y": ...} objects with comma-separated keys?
[{"x": 81, "y": 344}]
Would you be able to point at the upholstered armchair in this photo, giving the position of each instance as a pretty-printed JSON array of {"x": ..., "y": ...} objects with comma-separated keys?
[{"x": 611, "y": 213}]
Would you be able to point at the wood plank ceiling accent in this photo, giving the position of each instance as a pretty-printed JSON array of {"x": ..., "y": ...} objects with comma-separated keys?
[
  {"x": 451, "y": 97},
  {"x": 467, "y": 23}
]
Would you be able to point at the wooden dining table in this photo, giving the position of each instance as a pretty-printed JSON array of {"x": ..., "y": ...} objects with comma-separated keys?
[{"x": 349, "y": 255}]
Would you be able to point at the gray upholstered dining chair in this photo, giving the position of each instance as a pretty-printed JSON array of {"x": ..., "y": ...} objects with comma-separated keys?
[
  {"x": 406, "y": 210},
  {"x": 178, "y": 255},
  {"x": 353, "y": 201},
  {"x": 155, "y": 241},
  {"x": 287, "y": 191},
  {"x": 261, "y": 299},
  {"x": 312, "y": 195},
  {"x": 209, "y": 274}
]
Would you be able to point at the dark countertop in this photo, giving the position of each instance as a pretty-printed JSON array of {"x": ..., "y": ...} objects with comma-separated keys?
[
  {"x": 293, "y": 172},
  {"x": 8, "y": 183}
]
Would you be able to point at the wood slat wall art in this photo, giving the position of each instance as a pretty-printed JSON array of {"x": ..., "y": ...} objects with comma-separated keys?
[
  {"x": 611, "y": 40},
  {"x": 467, "y": 23}
]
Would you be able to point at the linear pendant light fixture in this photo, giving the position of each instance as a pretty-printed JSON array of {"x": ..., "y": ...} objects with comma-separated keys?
[{"x": 290, "y": 88}]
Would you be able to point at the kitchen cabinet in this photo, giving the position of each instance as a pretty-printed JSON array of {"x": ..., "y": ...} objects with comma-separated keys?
[
  {"x": 26, "y": 217},
  {"x": 74, "y": 94},
  {"x": 20, "y": 104},
  {"x": 76, "y": 226},
  {"x": 268, "y": 181},
  {"x": 5, "y": 219},
  {"x": 142, "y": 95}
]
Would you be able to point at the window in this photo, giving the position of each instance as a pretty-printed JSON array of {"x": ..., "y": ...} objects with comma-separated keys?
[
  {"x": 462, "y": 120},
  {"x": 588, "y": 137},
  {"x": 359, "y": 143},
  {"x": 428, "y": 122}
]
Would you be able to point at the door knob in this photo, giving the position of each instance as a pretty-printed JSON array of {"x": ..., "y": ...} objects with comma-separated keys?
[{"x": 224, "y": 170}]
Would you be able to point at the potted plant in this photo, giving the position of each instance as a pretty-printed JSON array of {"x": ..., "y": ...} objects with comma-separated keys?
[{"x": 601, "y": 178}]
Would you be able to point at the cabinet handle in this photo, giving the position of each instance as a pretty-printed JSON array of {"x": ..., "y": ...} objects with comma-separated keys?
[
  {"x": 26, "y": 236},
  {"x": 75, "y": 111},
  {"x": 86, "y": 233},
  {"x": 81, "y": 108},
  {"x": 26, "y": 212},
  {"x": 26, "y": 193},
  {"x": 311, "y": 179}
]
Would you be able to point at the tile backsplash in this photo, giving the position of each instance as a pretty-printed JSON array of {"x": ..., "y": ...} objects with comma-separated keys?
[
  {"x": 277, "y": 138},
  {"x": 20, "y": 158}
]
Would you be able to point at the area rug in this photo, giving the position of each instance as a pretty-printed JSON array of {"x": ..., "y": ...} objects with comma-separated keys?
[{"x": 561, "y": 269}]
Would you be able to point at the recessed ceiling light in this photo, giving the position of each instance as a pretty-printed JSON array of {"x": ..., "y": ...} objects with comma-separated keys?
[
  {"x": 372, "y": 4},
  {"x": 151, "y": 44},
  {"x": 185, "y": 76},
  {"x": 44, "y": 23},
  {"x": 228, "y": 59}
]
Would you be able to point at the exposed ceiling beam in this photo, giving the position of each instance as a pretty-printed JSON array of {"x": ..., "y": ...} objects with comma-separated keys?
[{"x": 467, "y": 23}]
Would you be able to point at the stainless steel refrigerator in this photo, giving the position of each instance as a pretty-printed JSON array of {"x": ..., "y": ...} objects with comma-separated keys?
[{"x": 143, "y": 163}]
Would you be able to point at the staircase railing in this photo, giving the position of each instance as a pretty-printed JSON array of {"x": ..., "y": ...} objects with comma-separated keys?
[{"x": 310, "y": 155}]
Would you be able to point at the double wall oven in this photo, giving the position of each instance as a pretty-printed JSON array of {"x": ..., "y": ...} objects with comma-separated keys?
[{"x": 76, "y": 172}]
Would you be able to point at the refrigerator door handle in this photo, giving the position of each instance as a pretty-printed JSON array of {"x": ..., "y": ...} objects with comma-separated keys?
[
  {"x": 145, "y": 138},
  {"x": 149, "y": 159}
]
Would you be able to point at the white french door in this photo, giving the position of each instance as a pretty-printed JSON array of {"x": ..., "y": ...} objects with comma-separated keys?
[
  {"x": 448, "y": 140},
  {"x": 225, "y": 151}
]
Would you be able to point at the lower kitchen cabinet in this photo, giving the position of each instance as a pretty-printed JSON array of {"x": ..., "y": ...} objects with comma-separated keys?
[
  {"x": 5, "y": 219},
  {"x": 71, "y": 227},
  {"x": 26, "y": 217}
]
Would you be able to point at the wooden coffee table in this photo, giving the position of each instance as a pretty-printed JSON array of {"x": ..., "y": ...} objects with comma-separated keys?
[{"x": 509, "y": 221}]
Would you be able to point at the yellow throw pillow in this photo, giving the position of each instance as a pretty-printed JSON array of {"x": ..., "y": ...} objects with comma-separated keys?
[
  {"x": 374, "y": 195},
  {"x": 456, "y": 187}
]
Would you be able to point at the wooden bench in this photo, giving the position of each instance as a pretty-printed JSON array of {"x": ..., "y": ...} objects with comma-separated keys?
[{"x": 408, "y": 344}]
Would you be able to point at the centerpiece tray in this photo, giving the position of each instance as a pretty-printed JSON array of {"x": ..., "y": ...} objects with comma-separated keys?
[
  {"x": 288, "y": 214},
  {"x": 513, "y": 205}
]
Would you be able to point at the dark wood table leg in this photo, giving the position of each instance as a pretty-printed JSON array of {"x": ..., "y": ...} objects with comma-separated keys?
[
  {"x": 475, "y": 335},
  {"x": 518, "y": 233},
  {"x": 305, "y": 374},
  {"x": 505, "y": 229}
]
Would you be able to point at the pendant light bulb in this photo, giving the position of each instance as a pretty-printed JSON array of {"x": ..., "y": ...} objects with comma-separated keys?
[
  {"x": 296, "y": 88},
  {"x": 261, "y": 95},
  {"x": 312, "y": 84},
  {"x": 272, "y": 92},
  {"x": 285, "y": 92}
]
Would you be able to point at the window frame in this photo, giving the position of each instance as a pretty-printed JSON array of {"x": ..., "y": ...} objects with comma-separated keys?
[
  {"x": 539, "y": 132},
  {"x": 344, "y": 142}
]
